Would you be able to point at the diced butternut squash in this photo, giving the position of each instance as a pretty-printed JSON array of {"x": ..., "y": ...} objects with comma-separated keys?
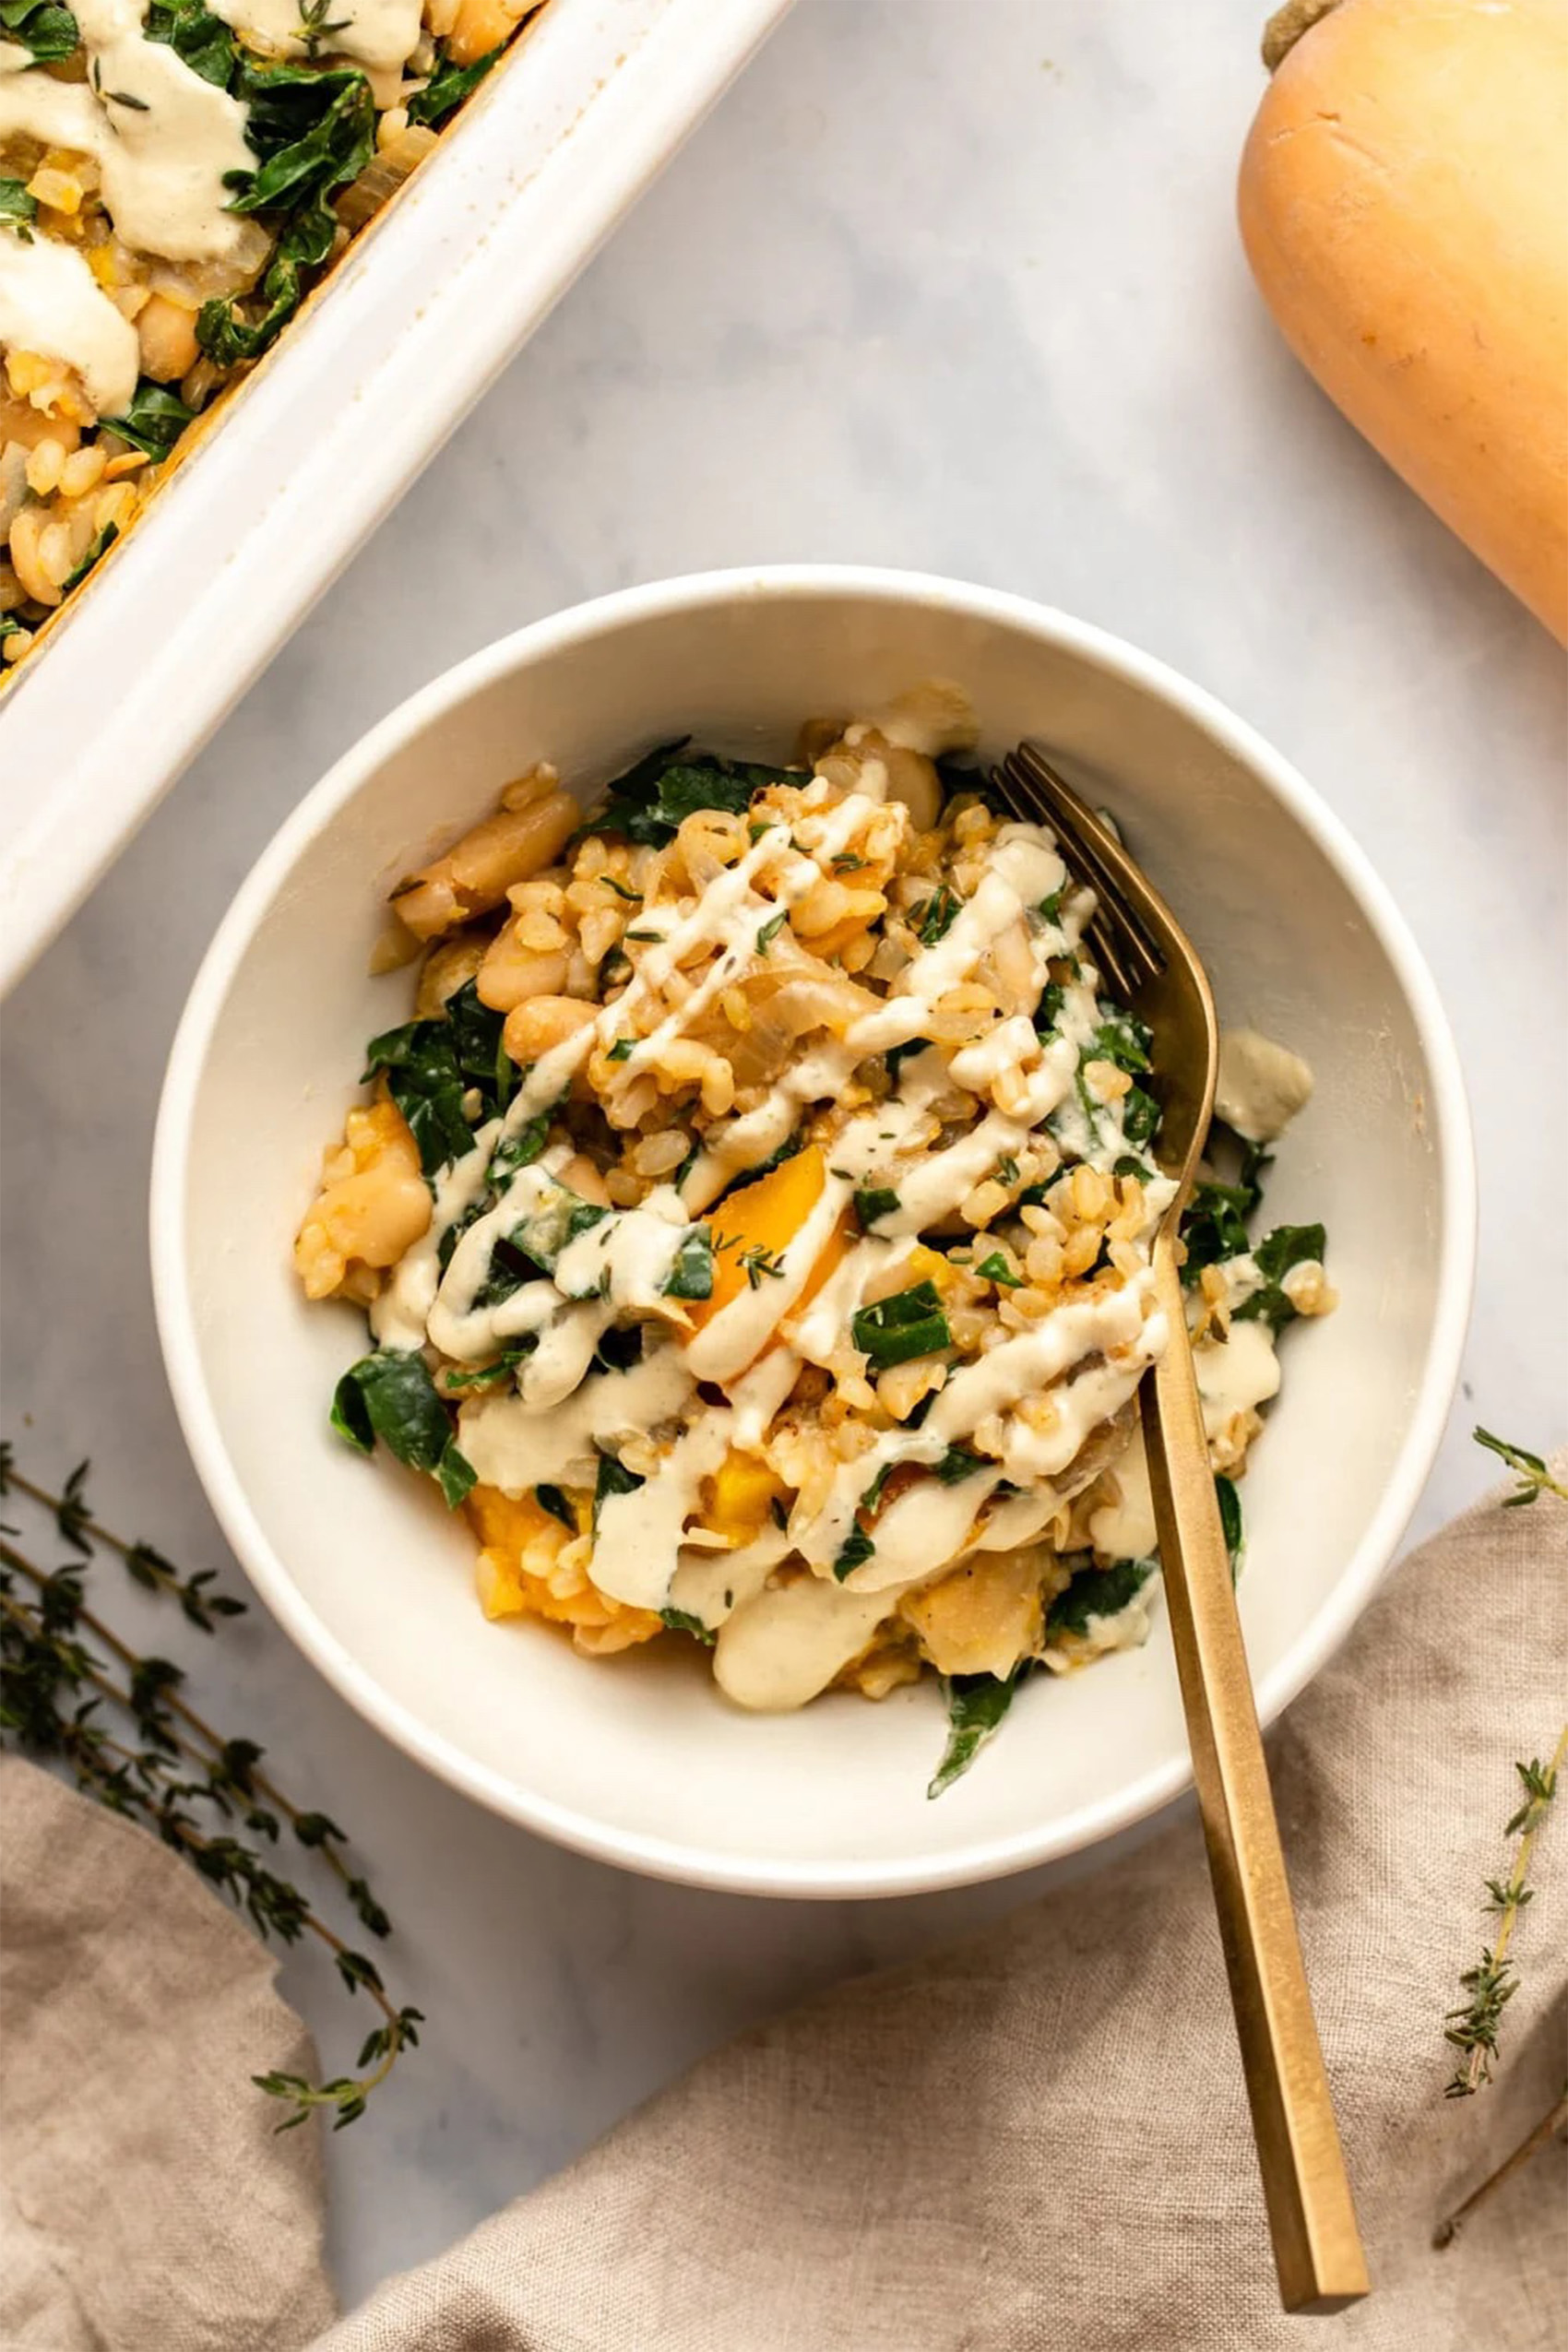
[
  {"x": 743, "y": 1490},
  {"x": 765, "y": 1217},
  {"x": 502, "y": 1523}
]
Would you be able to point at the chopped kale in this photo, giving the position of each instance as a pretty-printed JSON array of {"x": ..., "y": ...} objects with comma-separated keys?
[
  {"x": 874, "y": 1202},
  {"x": 430, "y": 1065},
  {"x": 1122, "y": 1038},
  {"x": 198, "y": 39},
  {"x": 1097, "y": 1592},
  {"x": 390, "y": 1395},
  {"x": 975, "y": 1704},
  {"x": 1275, "y": 1255},
  {"x": 857, "y": 1547},
  {"x": 1230, "y": 1521},
  {"x": 995, "y": 1268},
  {"x": 681, "y": 1621},
  {"x": 550, "y": 1499},
  {"x": 155, "y": 419},
  {"x": 449, "y": 86},
  {"x": 650, "y": 800},
  {"x": 1140, "y": 1116},
  {"x": 18, "y": 209},
  {"x": 48, "y": 31},
  {"x": 100, "y": 548},
  {"x": 612, "y": 1480},
  {"x": 492, "y": 1375},
  {"x": 312, "y": 131},
  {"x": 910, "y": 1323},
  {"x": 690, "y": 1276}
]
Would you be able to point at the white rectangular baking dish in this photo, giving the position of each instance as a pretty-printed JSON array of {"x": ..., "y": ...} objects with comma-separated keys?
[{"x": 315, "y": 448}]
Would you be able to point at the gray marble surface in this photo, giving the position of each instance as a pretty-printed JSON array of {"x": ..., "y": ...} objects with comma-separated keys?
[{"x": 951, "y": 287}]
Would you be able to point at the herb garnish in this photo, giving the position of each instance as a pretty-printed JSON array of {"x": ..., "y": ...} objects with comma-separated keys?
[
  {"x": 762, "y": 1266},
  {"x": 154, "y": 1759},
  {"x": 1535, "y": 1478},
  {"x": 935, "y": 917},
  {"x": 770, "y": 930}
]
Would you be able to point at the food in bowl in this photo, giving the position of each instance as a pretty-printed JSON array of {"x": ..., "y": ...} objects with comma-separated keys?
[
  {"x": 174, "y": 179},
  {"x": 753, "y": 1224}
]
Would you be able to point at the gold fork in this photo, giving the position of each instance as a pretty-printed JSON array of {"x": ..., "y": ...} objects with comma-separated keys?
[{"x": 1145, "y": 955}]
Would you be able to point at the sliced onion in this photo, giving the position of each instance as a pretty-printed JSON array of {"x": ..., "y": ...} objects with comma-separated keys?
[{"x": 384, "y": 176}]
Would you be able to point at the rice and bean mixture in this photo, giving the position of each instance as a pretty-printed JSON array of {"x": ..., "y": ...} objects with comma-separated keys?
[
  {"x": 754, "y": 1225},
  {"x": 174, "y": 179}
]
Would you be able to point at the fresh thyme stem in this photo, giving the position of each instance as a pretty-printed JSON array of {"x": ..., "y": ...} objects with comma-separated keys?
[
  {"x": 311, "y": 1829},
  {"x": 1554, "y": 2120},
  {"x": 1472, "y": 2029},
  {"x": 44, "y": 1667},
  {"x": 1535, "y": 1478}
]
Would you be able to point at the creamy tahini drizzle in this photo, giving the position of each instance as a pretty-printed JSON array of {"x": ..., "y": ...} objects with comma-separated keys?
[
  {"x": 163, "y": 157},
  {"x": 782, "y": 1640},
  {"x": 373, "y": 32},
  {"x": 51, "y": 304}
]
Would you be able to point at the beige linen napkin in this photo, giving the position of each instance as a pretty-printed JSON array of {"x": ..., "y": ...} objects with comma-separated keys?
[
  {"x": 1040, "y": 2139},
  {"x": 147, "y": 2203}
]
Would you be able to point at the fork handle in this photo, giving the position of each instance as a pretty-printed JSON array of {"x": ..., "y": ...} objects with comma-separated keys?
[{"x": 1317, "y": 2249}]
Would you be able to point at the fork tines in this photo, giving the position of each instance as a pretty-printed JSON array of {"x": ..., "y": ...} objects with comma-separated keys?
[{"x": 1034, "y": 791}]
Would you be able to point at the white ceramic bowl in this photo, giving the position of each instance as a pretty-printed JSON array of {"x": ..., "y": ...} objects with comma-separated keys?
[{"x": 639, "y": 1759}]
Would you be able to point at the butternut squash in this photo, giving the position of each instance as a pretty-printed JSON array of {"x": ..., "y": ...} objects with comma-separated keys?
[
  {"x": 1404, "y": 206},
  {"x": 766, "y": 1215}
]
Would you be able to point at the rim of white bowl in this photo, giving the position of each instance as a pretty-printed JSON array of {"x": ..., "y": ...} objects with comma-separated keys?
[{"x": 672, "y": 1858}]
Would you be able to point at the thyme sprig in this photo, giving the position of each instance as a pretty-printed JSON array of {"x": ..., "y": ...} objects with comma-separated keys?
[
  {"x": 121, "y": 1725},
  {"x": 1472, "y": 2029},
  {"x": 1535, "y": 1478}
]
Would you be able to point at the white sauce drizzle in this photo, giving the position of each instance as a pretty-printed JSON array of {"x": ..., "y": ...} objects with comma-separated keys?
[
  {"x": 373, "y": 32},
  {"x": 51, "y": 304},
  {"x": 163, "y": 157},
  {"x": 779, "y": 1644},
  {"x": 1235, "y": 1375}
]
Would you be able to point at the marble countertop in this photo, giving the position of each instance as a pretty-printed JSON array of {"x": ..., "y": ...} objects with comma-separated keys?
[{"x": 952, "y": 288}]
